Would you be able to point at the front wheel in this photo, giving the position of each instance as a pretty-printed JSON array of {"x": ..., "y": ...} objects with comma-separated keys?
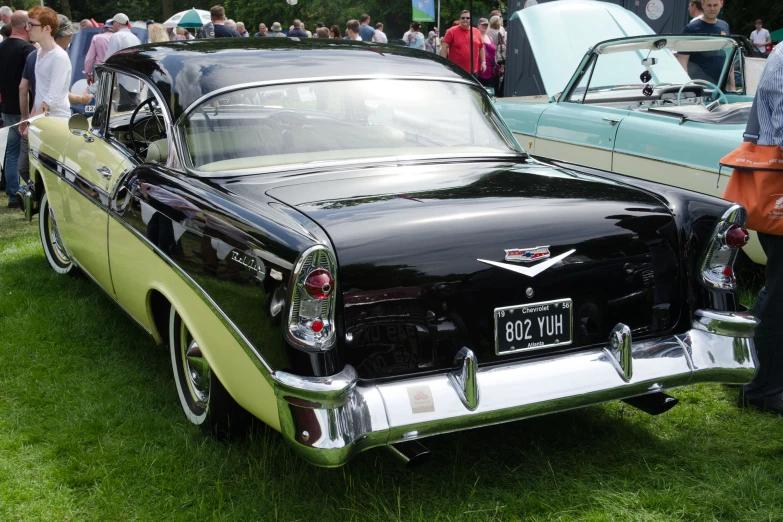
[
  {"x": 203, "y": 398},
  {"x": 52, "y": 241}
]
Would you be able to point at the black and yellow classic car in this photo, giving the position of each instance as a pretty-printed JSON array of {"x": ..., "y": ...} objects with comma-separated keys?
[{"x": 346, "y": 242}]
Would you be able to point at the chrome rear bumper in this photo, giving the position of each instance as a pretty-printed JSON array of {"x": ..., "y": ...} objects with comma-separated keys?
[{"x": 330, "y": 419}]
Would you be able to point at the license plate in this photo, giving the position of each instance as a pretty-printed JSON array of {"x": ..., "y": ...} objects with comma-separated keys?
[{"x": 533, "y": 326}]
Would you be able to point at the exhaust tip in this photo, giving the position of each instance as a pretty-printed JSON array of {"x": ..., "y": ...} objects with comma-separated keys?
[
  {"x": 410, "y": 453},
  {"x": 653, "y": 403}
]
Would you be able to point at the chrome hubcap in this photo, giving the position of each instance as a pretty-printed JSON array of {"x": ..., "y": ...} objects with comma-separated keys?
[
  {"x": 196, "y": 368},
  {"x": 55, "y": 239}
]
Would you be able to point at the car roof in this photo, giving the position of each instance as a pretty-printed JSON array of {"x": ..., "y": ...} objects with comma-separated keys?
[{"x": 186, "y": 71}]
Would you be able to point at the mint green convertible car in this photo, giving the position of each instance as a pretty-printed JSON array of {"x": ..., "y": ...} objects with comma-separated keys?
[{"x": 664, "y": 108}]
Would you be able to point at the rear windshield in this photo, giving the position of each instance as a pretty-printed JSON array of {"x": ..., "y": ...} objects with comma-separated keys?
[{"x": 262, "y": 127}]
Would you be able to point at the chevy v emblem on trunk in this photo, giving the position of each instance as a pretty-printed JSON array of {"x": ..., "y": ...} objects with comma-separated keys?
[{"x": 530, "y": 271}]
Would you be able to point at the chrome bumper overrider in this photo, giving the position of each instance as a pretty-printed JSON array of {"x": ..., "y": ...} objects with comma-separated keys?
[{"x": 330, "y": 419}]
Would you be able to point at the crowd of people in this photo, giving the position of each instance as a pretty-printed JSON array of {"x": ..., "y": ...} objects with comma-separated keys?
[{"x": 37, "y": 70}]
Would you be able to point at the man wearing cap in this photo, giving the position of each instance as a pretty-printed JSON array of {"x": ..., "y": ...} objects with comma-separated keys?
[
  {"x": 277, "y": 30},
  {"x": 98, "y": 48},
  {"x": 122, "y": 39},
  {"x": 429, "y": 44},
  {"x": 65, "y": 32},
  {"x": 13, "y": 54}
]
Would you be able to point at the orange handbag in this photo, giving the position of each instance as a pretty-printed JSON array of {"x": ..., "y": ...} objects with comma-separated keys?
[{"x": 757, "y": 180}]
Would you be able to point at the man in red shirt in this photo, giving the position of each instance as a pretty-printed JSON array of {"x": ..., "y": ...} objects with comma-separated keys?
[{"x": 456, "y": 45}]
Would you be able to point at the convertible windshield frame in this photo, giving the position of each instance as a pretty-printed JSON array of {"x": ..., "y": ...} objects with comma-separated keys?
[
  {"x": 641, "y": 44},
  {"x": 516, "y": 151}
]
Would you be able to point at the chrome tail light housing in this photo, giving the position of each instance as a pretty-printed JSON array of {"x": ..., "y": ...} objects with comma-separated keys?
[
  {"x": 313, "y": 300},
  {"x": 717, "y": 263}
]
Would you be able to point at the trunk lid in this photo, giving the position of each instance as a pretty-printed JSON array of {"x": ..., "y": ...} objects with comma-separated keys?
[{"x": 415, "y": 245}]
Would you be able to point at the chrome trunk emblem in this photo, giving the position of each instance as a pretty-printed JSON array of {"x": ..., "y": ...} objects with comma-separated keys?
[{"x": 526, "y": 255}]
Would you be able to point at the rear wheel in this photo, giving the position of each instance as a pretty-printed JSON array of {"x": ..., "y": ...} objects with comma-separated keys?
[
  {"x": 52, "y": 241},
  {"x": 203, "y": 398}
]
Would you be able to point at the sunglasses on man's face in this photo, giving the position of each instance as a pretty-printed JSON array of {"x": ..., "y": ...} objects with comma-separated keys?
[
  {"x": 464, "y": 18},
  {"x": 31, "y": 25}
]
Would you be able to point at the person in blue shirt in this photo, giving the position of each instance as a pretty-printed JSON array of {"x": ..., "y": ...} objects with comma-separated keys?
[
  {"x": 765, "y": 391},
  {"x": 706, "y": 65},
  {"x": 297, "y": 31},
  {"x": 366, "y": 32}
]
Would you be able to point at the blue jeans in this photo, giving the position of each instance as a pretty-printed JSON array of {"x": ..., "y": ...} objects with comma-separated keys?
[{"x": 11, "y": 163}]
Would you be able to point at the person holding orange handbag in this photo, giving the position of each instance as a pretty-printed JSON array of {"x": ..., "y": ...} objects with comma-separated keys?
[{"x": 757, "y": 184}]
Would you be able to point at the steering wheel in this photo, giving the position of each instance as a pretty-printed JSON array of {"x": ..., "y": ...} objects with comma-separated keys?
[
  {"x": 287, "y": 119},
  {"x": 706, "y": 84},
  {"x": 158, "y": 123}
]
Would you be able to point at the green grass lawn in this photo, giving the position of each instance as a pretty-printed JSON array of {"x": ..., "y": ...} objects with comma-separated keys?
[{"x": 91, "y": 429}]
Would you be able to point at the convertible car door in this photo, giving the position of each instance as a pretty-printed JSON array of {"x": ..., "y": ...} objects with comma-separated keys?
[
  {"x": 93, "y": 164},
  {"x": 578, "y": 133}
]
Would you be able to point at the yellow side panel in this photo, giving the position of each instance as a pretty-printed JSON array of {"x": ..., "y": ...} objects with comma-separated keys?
[
  {"x": 578, "y": 154},
  {"x": 136, "y": 270},
  {"x": 528, "y": 142}
]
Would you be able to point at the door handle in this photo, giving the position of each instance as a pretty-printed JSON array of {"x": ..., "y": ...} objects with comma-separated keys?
[
  {"x": 611, "y": 121},
  {"x": 105, "y": 172}
]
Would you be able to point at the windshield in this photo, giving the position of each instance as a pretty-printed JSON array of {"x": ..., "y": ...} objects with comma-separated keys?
[
  {"x": 262, "y": 127},
  {"x": 680, "y": 61}
]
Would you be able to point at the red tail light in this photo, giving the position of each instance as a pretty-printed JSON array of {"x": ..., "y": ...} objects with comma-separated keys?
[
  {"x": 736, "y": 237},
  {"x": 319, "y": 284}
]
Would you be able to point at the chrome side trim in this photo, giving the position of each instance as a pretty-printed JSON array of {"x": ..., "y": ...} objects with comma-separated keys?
[
  {"x": 246, "y": 345},
  {"x": 658, "y": 160},
  {"x": 361, "y": 162},
  {"x": 328, "y": 428}
]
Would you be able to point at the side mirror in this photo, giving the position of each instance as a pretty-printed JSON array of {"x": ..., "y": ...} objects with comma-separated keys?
[{"x": 78, "y": 124}]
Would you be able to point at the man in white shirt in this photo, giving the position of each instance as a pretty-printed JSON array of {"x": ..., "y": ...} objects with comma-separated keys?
[
  {"x": 760, "y": 37},
  {"x": 380, "y": 36},
  {"x": 5, "y": 15},
  {"x": 352, "y": 30},
  {"x": 122, "y": 39},
  {"x": 52, "y": 66},
  {"x": 695, "y": 10}
]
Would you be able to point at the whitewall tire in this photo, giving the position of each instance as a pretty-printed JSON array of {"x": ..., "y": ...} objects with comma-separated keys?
[
  {"x": 204, "y": 400},
  {"x": 53, "y": 245}
]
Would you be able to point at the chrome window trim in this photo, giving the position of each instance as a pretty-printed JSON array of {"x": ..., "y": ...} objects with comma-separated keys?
[
  {"x": 184, "y": 161},
  {"x": 365, "y": 162},
  {"x": 317, "y": 79},
  {"x": 164, "y": 110}
]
